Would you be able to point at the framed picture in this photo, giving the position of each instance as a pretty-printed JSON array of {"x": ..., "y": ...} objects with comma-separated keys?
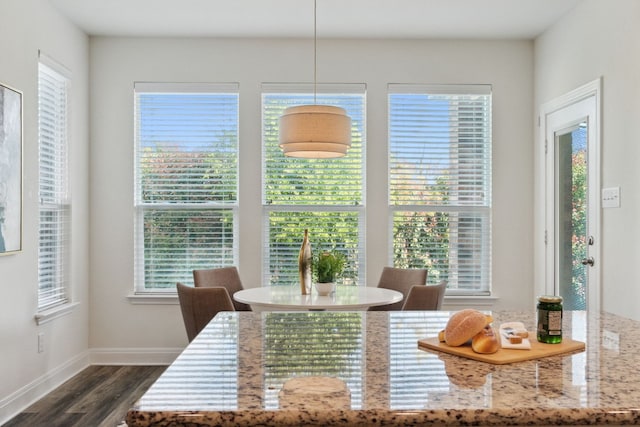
[{"x": 10, "y": 170}]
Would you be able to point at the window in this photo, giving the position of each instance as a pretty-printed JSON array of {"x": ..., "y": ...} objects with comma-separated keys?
[
  {"x": 440, "y": 182},
  {"x": 325, "y": 196},
  {"x": 186, "y": 181},
  {"x": 53, "y": 190}
]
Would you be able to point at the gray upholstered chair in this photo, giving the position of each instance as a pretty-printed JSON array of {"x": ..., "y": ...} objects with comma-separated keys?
[
  {"x": 401, "y": 280},
  {"x": 226, "y": 277},
  {"x": 428, "y": 297},
  {"x": 200, "y": 305}
]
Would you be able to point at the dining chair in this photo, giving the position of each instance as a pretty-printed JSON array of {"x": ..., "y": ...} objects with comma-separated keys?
[
  {"x": 428, "y": 297},
  {"x": 401, "y": 280},
  {"x": 200, "y": 305},
  {"x": 226, "y": 277}
]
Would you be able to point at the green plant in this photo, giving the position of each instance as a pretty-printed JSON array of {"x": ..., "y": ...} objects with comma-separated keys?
[{"x": 328, "y": 265}]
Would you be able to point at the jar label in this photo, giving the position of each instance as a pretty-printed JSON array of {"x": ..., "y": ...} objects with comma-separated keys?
[{"x": 555, "y": 323}]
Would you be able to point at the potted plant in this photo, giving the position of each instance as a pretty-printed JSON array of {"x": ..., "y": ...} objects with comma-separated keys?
[{"x": 328, "y": 265}]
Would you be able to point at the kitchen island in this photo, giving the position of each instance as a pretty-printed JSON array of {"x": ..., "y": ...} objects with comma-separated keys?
[{"x": 233, "y": 374}]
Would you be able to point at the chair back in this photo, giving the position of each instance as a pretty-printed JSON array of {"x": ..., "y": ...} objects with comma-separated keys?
[
  {"x": 425, "y": 297},
  {"x": 200, "y": 305},
  {"x": 401, "y": 280},
  {"x": 226, "y": 277}
]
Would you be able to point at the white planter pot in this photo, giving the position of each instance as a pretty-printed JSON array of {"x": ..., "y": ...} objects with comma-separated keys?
[{"x": 325, "y": 288}]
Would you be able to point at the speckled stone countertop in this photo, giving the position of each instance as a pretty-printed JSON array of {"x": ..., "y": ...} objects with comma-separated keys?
[{"x": 233, "y": 372}]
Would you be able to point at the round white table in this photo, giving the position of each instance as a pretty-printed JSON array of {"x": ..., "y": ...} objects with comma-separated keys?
[{"x": 289, "y": 298}]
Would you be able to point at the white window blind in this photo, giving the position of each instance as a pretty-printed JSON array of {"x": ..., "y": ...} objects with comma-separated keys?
[
  {"x": 325, "y": 196},
  {"x": 54, "y": 201},
  {"x": 186, "y": 181},
  {"x": 440, "y": 182}
]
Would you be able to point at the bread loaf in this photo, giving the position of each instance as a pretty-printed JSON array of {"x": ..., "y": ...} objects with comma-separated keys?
[
  {"x": 485, "y": 341},
  {"x": 463, "y": 326}
]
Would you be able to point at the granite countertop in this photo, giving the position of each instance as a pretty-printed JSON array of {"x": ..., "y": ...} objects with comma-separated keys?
[{"x": 233, "y": 373}]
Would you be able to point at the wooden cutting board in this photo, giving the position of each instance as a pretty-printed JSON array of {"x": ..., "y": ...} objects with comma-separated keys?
[{"x": 505, "y": 355}]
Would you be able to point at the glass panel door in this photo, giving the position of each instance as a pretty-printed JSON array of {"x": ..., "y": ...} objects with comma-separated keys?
[
  {"x": 572, "y": 198},
  {"x": 571, "y": 215}
]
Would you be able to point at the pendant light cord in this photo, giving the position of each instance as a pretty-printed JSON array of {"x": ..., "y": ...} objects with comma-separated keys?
[{"x": 315, "y": 50}]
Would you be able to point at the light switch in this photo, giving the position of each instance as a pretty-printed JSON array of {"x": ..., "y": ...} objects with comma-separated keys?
[{"x": 611, "y": 197}]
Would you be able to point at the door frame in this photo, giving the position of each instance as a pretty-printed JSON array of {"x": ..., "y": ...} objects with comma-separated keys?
[{"x": 590, "y": 92}]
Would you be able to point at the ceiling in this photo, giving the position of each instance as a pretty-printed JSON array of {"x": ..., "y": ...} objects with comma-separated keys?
[{"x": 493, "y": 19}]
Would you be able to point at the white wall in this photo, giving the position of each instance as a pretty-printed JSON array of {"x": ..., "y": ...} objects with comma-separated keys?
[
  {"x": 602, "y": 39},
  {"x": 25, "y": 27},
  {"x": 120, "y": 328}
]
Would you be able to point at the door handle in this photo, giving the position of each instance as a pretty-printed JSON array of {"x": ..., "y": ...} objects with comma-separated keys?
[{"x": 588, "y": 261}]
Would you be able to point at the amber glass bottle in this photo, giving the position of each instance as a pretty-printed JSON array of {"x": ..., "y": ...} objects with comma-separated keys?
[{"x": 304, "y": 264}]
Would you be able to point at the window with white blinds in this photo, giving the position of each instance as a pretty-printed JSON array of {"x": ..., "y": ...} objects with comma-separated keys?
[
  {"x": 53, "y": 190},
  {"x": 325, "y": 196},
  {"x": 440, "y": 182},
  {"x": 186, "y": 181}
]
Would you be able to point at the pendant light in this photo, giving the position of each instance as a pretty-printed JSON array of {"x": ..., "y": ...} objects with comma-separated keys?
[{"x": 315, "y": 131}]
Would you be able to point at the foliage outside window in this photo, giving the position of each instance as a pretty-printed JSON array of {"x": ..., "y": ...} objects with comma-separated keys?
[
  {"x": 186, "y": 183},
  {"x": 440, "y": 182},
  {"x": 53, "y": 189},
  {"x": 325, "y": 196}
]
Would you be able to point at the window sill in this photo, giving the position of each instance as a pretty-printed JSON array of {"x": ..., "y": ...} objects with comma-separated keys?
[
  {"x": 153, "y": 299},
  {"x": 481, "y": 302},
  {"x": 54, "y": 313}
]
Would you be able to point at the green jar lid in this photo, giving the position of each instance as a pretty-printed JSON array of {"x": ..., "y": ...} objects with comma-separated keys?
[{"x": 554, "y": 299}]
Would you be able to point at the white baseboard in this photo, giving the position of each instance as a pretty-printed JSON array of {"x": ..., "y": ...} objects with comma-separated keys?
[
  {"x": 16, "y": 402},
  {"x": 133, "y": 356}
]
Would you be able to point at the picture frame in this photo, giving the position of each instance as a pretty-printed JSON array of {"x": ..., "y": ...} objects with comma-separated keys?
[{"x": 11, "y": 165}]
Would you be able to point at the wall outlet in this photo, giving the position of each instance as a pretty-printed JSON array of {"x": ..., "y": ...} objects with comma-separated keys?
[
  {"x": 41, "y": 342},
  {"x": 611, "y": 340}
]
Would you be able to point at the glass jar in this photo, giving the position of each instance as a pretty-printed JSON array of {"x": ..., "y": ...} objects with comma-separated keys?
[{"x": 550, "y": 319}]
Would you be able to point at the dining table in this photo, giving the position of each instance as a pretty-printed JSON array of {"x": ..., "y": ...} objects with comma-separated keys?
[
  {"x": 343, "y": 298},
  {"x": 365, "y": 368}
]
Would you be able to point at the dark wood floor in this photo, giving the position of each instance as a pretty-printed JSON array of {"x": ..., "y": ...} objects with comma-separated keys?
[{"x": 99, "y": 396}]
